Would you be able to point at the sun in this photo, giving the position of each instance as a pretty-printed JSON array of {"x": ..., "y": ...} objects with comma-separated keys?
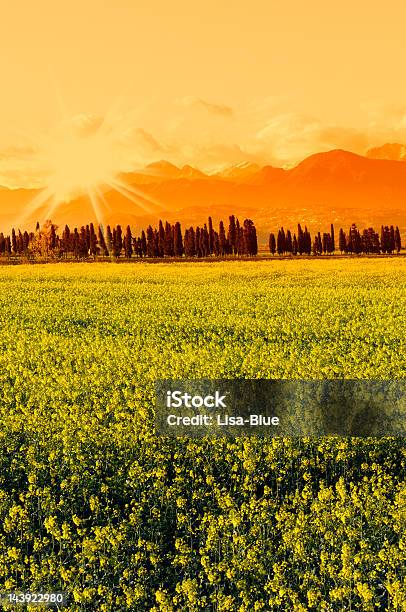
[
  {"x": 83, "y": 157},
  {"x": 78, "y": 163}
]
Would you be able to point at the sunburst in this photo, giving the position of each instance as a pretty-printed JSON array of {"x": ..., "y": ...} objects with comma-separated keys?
[{"x": 83, "y": 157}]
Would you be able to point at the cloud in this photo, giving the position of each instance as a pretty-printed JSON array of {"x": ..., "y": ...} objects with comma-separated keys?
[
  {"x": 84, "y": 124},
  {"x": 140, "y": 137},
  {"x": 214, "y": 109},
  {"x": 16, "y": 153},
  {"x": 290, "y": 137}
]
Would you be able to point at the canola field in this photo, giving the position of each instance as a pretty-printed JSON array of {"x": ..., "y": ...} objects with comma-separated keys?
[{"x": 94, "y": 504}]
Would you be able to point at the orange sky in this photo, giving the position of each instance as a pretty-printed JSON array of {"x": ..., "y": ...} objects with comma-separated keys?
[{"x": 209, "y": 84}]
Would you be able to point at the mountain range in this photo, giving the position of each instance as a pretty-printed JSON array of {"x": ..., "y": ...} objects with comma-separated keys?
[{"x": 335, "y": 186}]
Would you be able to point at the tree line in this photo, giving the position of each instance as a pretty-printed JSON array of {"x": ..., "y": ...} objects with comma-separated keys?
[
  {"x": 354, "y": 241},
  {"x": 167, "y": 240}
]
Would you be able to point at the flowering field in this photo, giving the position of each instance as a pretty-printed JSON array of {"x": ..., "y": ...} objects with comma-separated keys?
[{"x": 94, "y": 504}]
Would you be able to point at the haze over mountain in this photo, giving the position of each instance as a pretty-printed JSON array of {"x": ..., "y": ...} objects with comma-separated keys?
[
  {"x": 394, "y": 151},
  {"x": 336, "y": 186}
]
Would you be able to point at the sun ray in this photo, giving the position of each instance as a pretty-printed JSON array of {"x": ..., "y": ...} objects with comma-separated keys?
[
  {"x": 92, "y": 193},
  {"x": 82, "y": 157},
  {"x": 51, "y": 208},
  {"x": 39, "y": 200},
  {"x": 101, "y": 197},
  {"x": 137, "y": 192},
  {"x": 112, "y": 183}
]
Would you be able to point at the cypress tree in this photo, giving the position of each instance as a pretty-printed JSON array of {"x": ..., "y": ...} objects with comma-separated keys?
[
  {"x": 109, "y": 240},
  {"x": 300, "y": 240},
  {"x": 333, "y": 243},
  {"x": 211, "y": 236},
  {"x": 14, "y": 241},
  {"x": 76, "y": 243},
  {"x": 294, "y": 245},
  {"x": 232, "y": 234},
  {"x": 177, "y": 240},
  {"x": 92, "y": 240},
  {"x": 288, "y": 242},
  {"x": 150, "y": 242},
  {"x": 168, "y": 243},
  {"x": 102, "y": 242},
  {"x": 398, "y": 241},
  {"x": 272, "y": 243},
  {"x": 161, "y": 239},
  {"x": 391, "y": 240},
  {"x": 197, "y": 242},
  {"x": 222, "y": 239},
  {"x": 118, "y": 241},
  {"x": 143, "y": 244},
  {"x": 128, "y": 243}
]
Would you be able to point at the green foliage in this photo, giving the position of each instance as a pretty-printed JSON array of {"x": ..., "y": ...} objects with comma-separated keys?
[{"x": 93, "y": 503}]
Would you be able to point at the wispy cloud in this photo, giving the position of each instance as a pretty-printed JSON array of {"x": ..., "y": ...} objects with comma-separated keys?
[
  {"x": 290, "y": 137},
  {"x": 215, "y": 109}
]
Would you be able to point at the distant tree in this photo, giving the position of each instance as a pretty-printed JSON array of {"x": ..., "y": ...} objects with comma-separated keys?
[
  {"x": 250, "y": 238},
  {"x": 190, "y": 244},
  {"x": 211, "y": 236},
  {"x": 128, "y": 243},
  {"x": 150, "y": 242},
  {"x": 92, "y": 241},
  {"x": 300, "y": 240},
  {"x": 392, "y": 243},
  {"x": 52, "y": 238},
  {"x": 26, "y": 243},
  {"x": 216, "y": 244},
  {"x": 168, "y": 243},
  {"x": 222, "y": 240},
  {"x": 204, "y": 237},
  {"x": 398, "y": 241},
  {"x": 342, "y": 242},
  {"x": 198, "y": 242},
  {"x": 14, "y": 241},
  {"x": 161, "y": 240},
  {"x": 117, "y": 241},
  {"x": 232, "y": 234},
  {"x": 355, "y": 240},
  {"x": 143, "y": 244},
  {"x": 294, "y": 245},
  {"x": 177, "y": 240},
  {"x": 66, "y": 241},
  {"x": 281, "y": 242},
  {"x": 272, "y": 243},
  {"x": 76, "y": 245},
  {"x": 333, "y": 243},
  {"x": 43, "y": 240},
  {"x": 288, "y": 242},
  {"x": 102, "y": 241},
  {"x": 109, "y": 240}
]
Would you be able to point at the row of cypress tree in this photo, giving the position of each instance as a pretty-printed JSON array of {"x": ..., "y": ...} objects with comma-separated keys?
[
  {"x": 167, "y": 240},
  {"x": 355, "y": 241}
]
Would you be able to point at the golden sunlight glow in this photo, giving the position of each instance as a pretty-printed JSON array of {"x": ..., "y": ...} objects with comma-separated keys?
[
  {"x": 79, "y": 163},
  {"x": 81, "y": 158}
]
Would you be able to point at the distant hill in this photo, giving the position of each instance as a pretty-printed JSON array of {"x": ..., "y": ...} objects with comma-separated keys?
[
  {"x": 239, "y": 171},
  {"x": 336, "y": 186}
]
